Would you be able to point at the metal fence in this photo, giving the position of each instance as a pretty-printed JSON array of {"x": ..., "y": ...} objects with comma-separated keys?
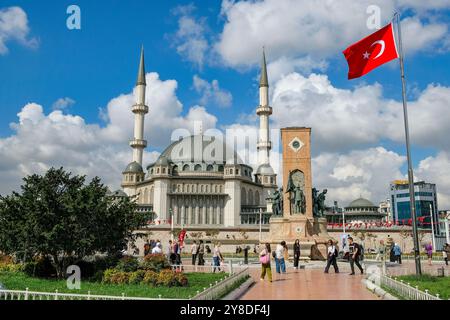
[
  {"x": 405, "y": 290},
  {"x": 34, "y": 295},
  {"x": 221, "y": 287}
]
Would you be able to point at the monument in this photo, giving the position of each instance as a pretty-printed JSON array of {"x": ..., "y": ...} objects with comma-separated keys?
[{"x": 298, "y": 210}]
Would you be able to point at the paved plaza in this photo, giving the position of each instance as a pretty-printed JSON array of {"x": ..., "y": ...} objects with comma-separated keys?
[{"x": 312, "y": 284}]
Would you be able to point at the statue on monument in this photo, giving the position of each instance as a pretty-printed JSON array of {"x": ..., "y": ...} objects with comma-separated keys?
[
  {"x": 318, "y": 202},
  {"x": 296, "y": 197},
  {"x": 277, "y": 206}
]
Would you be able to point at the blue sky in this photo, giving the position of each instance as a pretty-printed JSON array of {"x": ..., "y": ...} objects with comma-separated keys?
[{"x": 98, "y": 63}]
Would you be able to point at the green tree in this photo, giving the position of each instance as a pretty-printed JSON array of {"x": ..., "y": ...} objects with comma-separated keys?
[{"x": 59, "y": 216}]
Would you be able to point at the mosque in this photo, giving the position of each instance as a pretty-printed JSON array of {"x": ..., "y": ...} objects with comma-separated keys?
[{"x": 199, "y": 181}]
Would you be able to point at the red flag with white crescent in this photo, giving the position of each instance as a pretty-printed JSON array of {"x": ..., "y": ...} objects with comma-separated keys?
[{"x": 371, "y": 52}]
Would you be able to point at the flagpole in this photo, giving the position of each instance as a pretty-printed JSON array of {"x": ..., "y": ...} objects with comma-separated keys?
[{"x": 412, "y": 202}]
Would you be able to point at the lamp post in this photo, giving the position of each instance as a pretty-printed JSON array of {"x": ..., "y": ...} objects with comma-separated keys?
[
  {"x": 171, "y": 222},
  {"x": 260, "y": 225},
  {"x": 433, "y": 241}
]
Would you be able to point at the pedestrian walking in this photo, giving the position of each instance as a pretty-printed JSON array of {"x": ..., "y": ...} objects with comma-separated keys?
[
  {"x": 429, "y": 252},
  {"x": 296, "y": 253},
  {"x": 264, "y": 258},
  {"x": 332, "y": 254},
  {"x": 397, "y": 253},
  {"x": 354, "y": 254},
  {"x": 446, "y": 253},
  {"x": 381, "y": 251},
  {"x": 280, "y": 264},
  {"x": 201, "y": 253},
  {"x": 217, "y": 257},
  {"x": 194, "y": 252}
]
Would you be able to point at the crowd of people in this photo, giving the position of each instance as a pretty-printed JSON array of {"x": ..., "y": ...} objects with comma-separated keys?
[{"x": 353, "y": 253}]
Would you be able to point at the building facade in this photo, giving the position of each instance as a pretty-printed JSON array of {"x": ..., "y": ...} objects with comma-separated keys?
[
  {"x": 358, "y": 211},
  {"x": 199, "y": 180},
  {"x": 425, "y": 198}
]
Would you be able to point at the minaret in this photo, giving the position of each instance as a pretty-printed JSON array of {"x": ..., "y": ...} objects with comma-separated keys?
[
  {"x": 139, "y": 109},
  {"x": 264, "y": 111}
]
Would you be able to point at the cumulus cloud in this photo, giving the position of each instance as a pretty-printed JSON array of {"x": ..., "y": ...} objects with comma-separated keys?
[
  {"x": 190, "y": 38},
  {"x": 298, "y": 28},
  {"x": 59, "y": 139},
  {"x": 365, "y": 173},
  {"x": 211, "y": 92},
  {"x": 63, "y": 103},
  {"x": 437, "y": 170},
  {"x": 344, "y": 119},
  {"x": 14, "y": 27}
]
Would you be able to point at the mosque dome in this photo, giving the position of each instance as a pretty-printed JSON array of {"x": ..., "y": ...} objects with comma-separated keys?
[
  {"x": 162, "y": 161},
  {"x": 265, "y": 169},
  {"x": 198, "y": 149},
  {"x": 361, "y": 203},
  {"x": 133, "y": 167}
]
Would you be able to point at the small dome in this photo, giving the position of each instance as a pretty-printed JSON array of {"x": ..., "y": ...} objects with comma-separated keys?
[
  {"x": 265, "y": 169},
  {"x": 162, "y": 161},
  {"x": 360, "y": 202},
  {"x": 133, "y": 167},
  {"x": 118, "y": 193}
]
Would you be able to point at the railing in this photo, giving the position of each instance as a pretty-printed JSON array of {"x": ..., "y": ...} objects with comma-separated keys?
[
  {"x": 405, "y": 290},
  {"x": 34, "y": 295},
  {"x": 220, "y": 288}
]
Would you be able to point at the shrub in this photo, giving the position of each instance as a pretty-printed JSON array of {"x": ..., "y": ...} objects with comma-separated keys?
[
  {"x": 108, "y": 275},
  {"x": 169, "y": 278},
  {"x": 120, "y": 277},
  {"x": 136, "y": 277},
  {"x": 5, "y": 259},
  {"x": 150, "y": 278},
  {"x": 11, "y": 267},
  {"x": 128, "y": 264},
  {"x": 40, "y": 267},
  {"x": 155, "y": 262}
]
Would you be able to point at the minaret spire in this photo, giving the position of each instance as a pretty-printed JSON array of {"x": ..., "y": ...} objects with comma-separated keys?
[
  {"x": 141, "y": 72},
  {"x": 139, "y": 109},
  {"x": 263, "y": 82}
]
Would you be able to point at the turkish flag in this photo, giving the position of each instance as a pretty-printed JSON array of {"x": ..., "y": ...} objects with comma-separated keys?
[{"x": 371, "y": 52}]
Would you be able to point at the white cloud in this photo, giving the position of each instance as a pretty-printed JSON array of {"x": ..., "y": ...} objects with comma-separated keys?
[
  {"x": 58, "y": 139},
  {"x": 14, "y": 26},
  {"x": 190, "y": 38},
  {"x": 345, "y": 119},
  {"x": 63, "y": 103},
  {"x": 211, "y": 92},
  {"x": 365, "y": 173},
  {"x": 298, "y": 28},
  {"x": 437, "y": 170}
]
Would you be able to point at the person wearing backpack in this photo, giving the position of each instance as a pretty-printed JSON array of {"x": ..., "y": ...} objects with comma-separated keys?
[
  {"x": 355, "y": 252},
  {"x": 264, "y": 258},
  {"x": 332, "y": 254}
]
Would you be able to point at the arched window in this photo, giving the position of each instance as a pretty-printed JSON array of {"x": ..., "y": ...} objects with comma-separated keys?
[
  {"x": 163, "y": 170},
  {"x": 209, "y": 168},
  {"x": 175, "y": 170},
  {"x": 257, "y": 198},
  {"x": 243, "y": 196},
  {"x": 197, "y": 167},
  {"x": 250, "y": 197},
  {"x": 186, "y": 167},
  {"x": 157, "y": 170},
  {"x": 220, "y": 168},
  {"x": 231, "y": 171}
]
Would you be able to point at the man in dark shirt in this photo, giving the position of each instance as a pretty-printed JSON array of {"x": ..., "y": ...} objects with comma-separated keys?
[
  {"x": 354, "y": 254},
  {"x": 201, "y": 252}
]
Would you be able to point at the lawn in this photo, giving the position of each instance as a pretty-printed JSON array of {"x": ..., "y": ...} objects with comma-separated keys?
[
  {"x": 197, "y": 281},
  {"x": 440, "y": 285}
]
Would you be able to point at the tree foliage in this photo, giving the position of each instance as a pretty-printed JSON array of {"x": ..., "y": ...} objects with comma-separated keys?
[{"x": 59, "y": 216}]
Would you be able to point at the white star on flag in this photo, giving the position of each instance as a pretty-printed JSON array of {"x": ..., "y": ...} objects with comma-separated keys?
[{"x": 366, "y": 55}]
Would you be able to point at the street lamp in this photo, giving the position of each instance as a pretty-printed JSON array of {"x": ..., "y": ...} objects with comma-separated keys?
[
  {"x": 171, "y": 222},
  {"x": 433, "y": 241}
]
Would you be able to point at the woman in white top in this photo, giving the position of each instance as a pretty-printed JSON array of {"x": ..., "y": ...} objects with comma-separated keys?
[
  {"x": 157, "y": 249},
  {"x": 332, "y": 253}
]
